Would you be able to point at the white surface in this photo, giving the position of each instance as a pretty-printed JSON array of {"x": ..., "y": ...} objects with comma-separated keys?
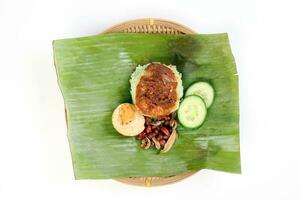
[{"x": 34, "y": 154}]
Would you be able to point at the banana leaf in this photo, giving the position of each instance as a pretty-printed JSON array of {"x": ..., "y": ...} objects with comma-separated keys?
[{"x": 93, "y": 75}]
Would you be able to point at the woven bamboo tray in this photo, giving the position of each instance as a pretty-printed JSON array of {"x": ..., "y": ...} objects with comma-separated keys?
[{"x": 162, "y": 27}]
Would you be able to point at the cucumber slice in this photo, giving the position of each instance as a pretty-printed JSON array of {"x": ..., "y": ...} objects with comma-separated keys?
[
  {"x": 192, "y": 112},
  {"x": 204, "y": 90}
]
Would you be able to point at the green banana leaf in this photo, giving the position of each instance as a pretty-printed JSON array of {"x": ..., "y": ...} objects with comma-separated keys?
[{"x": 93, "y": 75}]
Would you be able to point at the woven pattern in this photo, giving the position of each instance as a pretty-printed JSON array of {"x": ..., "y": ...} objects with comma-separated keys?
[
  {"x": 152, "y": 29},
  {"x": 150, "y": 26},
  {"x": 157, "y": 26}
]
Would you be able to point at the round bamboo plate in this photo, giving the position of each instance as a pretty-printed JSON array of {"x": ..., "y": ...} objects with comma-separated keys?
[
  {"x": 150, "y": 26},
  {"x": 162, "y": 27}
]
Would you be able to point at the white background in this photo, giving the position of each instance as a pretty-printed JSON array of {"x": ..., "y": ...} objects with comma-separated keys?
[{"x": 35, "y": 159}]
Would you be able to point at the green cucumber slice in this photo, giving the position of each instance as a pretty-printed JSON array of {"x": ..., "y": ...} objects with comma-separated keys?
[
  {"x": 203, "y": 90},
  {"x": 192, "y": 112}
]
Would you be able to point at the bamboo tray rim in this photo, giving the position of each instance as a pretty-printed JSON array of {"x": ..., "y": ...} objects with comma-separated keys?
[{"x": 120, "y": 27}]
